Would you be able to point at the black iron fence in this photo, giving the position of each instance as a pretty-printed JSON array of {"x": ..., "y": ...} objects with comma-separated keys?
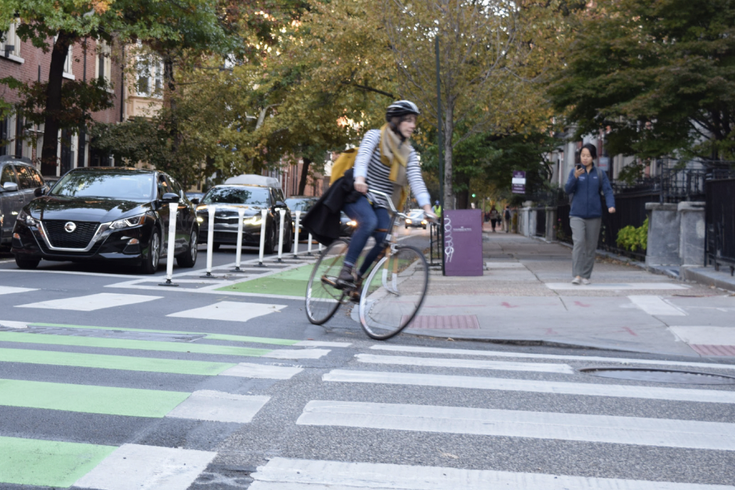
[
  {"x": 720, "y": 219},
  {"x": 541, "y": 221}
]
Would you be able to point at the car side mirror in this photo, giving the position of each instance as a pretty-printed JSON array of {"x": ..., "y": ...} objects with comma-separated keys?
[
  {"x": 195, "y": 200},
  {"x": 280, "y": 204},
  {"x": 40, "y": 191},
  {"x": 170, "y": 197},
  {"x": 10, "y": 186}
]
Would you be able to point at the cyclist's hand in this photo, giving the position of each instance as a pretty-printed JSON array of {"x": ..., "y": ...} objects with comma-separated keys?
[
  {"x": 432, "y": 217},
  {"x": 361, "y": 186}
]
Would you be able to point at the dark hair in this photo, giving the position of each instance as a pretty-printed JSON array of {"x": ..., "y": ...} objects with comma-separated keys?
[{"x": 591, "y": 148}]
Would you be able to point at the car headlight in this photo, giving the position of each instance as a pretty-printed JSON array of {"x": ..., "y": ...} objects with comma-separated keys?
[
  {"x": 424, "y": 222},
  {"x": 408, "y": 221},
  {"x": 200, "y": 219},
  {"x": 352, "y": 223},
  {"x": 253, "y": 220},
  {"x": 128, "y": 222},
  {"x": 28, "y": 219}
]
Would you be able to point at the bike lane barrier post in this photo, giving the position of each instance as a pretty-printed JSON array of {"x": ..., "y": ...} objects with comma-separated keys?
[
  {"x": 296, "y": 235},
  {"x": 173, "y": 207},
  {"x": 282, "y": 213},
  {"x": 262, "y": 238},
  {"x": 308, "y": 247},
  {"x": 210, "y": 241},
  {"x": 238, "y": 252}
]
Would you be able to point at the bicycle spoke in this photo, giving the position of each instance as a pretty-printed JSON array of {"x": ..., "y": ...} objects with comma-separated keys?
[
  {"x": 322, "y": 298},
  {"x": 393, "y": 293}
]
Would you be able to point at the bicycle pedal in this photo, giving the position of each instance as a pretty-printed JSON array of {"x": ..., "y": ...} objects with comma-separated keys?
[
  {"x": 330, "y": 281},
  {"x": 354, "y": 296}
]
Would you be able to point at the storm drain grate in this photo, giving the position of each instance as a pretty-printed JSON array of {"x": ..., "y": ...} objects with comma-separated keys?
[
  {"x": 661, "y": 375},
  {"x": 714, "y": 350},
  {"x": 442, "y": 322}
]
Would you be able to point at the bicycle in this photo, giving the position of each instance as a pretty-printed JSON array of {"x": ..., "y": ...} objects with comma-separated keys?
[{"x": 388, "y": 298}]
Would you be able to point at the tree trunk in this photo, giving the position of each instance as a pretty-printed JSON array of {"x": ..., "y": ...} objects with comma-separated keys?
[
  {"x": 304, "y": 175},
  {"x": 448, "y": 154},
  {"x": 49, "y": 160}
]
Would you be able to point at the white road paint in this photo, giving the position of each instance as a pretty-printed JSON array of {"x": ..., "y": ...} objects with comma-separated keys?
[
  {"x": 705, "y": 335},
  {"x": 231, "y": 311},
  {"x": 518, "y": 355},
  {"x": 465, "y": 363},
  {"x": 532, "y": 386},
  {"x": 261, "y": 371},
  {"x": 148, "y": 468},
  {"x": 12, "y": 290},
  {"x": 300, "y": 474},
  {"x": 656, "y": 306},
  {"x": 217, "y": 406},
  {"x": 13, "y": 324},
  {"x": 513, "y": 423},
  {"x": 504, "y": 265},
  {"x": 92, "y": 302},
  {"x": 320, "y": 343},
  {"x": 561, "y": 286},
  {"x": 297, "y": 354}
]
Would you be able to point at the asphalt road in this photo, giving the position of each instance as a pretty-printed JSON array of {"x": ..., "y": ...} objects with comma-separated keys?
[{"x": 110, "y": 381}]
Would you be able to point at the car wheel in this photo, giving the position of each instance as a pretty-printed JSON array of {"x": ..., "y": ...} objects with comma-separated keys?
[
  {"x": 407, "y": 227},
  {"x": 26, "y": 263},
  {"x": 288, "y": 241},
  {"x": 150, "y": 261},
  {"x": 189, "y": 258},
  {"x": 270, "y": 240}
]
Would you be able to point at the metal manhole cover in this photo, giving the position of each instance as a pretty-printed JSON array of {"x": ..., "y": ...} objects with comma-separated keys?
[{"x": 661, "y": 375}]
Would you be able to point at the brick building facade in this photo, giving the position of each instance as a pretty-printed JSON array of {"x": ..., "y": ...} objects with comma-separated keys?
[{"x": 22, "y": 61}]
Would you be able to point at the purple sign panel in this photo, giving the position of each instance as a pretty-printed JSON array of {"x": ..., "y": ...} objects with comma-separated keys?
[
  {"x": 463, "y": 242},
  {"x": 518, "y": 184}
]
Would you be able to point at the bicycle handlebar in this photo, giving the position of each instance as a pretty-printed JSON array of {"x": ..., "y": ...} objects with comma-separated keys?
[{"x": 393, "y": 209}]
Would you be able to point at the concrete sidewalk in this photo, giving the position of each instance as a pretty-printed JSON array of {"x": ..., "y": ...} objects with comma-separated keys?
[{"x": 525, "y": 296}]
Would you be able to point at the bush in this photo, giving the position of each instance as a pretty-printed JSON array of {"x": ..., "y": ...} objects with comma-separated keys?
[{"x": 631, "y": 238}]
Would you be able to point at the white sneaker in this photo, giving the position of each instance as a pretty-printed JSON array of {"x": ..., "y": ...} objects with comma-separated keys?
[
  {"x": 586, "y": 282},
  {"x": 577, "y": 281}
]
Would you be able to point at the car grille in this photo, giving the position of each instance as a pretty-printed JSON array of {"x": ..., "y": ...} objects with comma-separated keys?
[{"x": 79, "y": 238}]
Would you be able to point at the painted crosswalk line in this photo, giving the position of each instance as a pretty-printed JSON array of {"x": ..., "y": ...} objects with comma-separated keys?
[
  {"x": 532, "y": 386},
  {"x": 261, "y": 371},
  {"x": 92, "y": 302},
  {"x": 513, "y": 423},
  {"x": 655, "y": 305},
  {"x": 14, "y": 290},
  {"x": 147, "y": 467},
  {"x": 300, "y": 474},
  {"x": 706, "y": 335},
  {"x": 47, "y": 463},
  {"x": 297, "y": 354},
  {"x": 216, "y": 406},
  {"x": 31, "y": 338},
  {"x": 558, "y": 357},
  {"x": 231, "y": 311},
  {"x": 464, "y": 363},
  {"x": 130, "y": 402}
]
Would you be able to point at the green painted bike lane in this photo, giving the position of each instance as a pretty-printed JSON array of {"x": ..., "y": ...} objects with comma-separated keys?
[{"x": 291, "y": 282}]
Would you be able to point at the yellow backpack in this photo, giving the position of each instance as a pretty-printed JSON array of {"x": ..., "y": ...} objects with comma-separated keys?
[{"x": 344, "y": 162}]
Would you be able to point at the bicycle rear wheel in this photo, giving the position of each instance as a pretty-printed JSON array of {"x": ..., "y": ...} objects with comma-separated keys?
[
  {"x": 322, "y": 297},
  {"x": 393, "y": 293}
]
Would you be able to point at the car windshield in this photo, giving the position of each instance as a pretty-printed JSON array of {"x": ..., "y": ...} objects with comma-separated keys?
[
  {"x": 300, "y": 204},
  {"x": 255, "y": 196},
  {"x": 417, "y": 214},
  {"x": 124, "y": 186}
]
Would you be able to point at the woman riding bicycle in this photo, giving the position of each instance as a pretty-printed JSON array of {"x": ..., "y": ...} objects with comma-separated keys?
[{"x": 385, "y": 162}]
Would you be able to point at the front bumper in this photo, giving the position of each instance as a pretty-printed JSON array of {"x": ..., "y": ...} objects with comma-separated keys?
[
  {"x": 227, "y": 234},
  {"x": 127, "y": 244}
]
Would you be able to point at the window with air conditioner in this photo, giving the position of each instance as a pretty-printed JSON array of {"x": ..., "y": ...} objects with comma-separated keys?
[{"x": 10, "y": 43}]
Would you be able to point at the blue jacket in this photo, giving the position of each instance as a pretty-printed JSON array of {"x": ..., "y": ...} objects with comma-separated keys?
[{"x": 586, "y": 189}]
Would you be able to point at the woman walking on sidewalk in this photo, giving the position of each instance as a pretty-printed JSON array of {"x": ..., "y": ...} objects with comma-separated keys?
[{"x": 585, "y": 216}]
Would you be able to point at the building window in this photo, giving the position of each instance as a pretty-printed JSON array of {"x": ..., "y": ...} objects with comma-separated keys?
[
  {"x": 4, "y": 136},
  {"x": 104, "y": 62},
  {"x": 68, "y": 62},
  {"x": 10, "y": 43},
  {"x": 149, "y": 76}
]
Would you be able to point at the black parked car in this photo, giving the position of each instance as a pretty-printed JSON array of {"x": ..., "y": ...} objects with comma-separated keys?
[
  {"x": 300, "y": 203},
  {"x": 106, "y": 214},
  {"x": 227, "y": 199},
  {"x": 18, "y": 181}
]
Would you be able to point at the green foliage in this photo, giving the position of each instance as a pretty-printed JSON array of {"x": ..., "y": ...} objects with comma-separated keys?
[
  {"x": 659, "y": 75},
  {"x": 632, "y": 238}
]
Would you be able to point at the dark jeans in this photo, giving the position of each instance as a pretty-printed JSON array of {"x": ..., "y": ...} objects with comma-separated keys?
[{"x": 369, "y": 220}]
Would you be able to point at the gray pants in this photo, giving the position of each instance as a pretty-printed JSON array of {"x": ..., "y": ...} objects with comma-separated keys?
[{"x": 585, "y": 233}]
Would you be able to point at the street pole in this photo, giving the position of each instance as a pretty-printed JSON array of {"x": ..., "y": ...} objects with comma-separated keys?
[{"x": 441, "y": 149}]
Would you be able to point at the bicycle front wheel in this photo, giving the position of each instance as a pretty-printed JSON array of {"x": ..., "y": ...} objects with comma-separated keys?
[
  {"x": 393, "y": 293},
  {"x": 322, "y": 296}
]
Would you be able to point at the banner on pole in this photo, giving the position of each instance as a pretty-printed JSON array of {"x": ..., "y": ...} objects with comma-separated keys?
[{"x": 518, "y": 184}]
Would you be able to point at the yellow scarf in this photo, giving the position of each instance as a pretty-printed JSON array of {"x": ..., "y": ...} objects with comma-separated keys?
[{"x": 394, "y": 153}]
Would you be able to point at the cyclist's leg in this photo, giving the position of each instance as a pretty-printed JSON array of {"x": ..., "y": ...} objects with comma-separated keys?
[
  {"x": 362, "y": 212},
  {"x": 381, "y": 230}
]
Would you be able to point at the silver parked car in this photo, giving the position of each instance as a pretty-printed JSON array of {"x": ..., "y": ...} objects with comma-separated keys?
[{"x": 19, "y": 180}]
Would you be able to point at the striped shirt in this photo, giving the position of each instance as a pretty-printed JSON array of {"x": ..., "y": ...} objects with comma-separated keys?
[{"x": 369, "y": 165}]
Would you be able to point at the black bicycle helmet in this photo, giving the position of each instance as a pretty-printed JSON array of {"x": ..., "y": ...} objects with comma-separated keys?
[{"x": 400, "y": 109}]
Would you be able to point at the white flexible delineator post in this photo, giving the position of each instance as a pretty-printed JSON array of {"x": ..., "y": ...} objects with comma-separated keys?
[
  {"x": 296, "y": 235},
  {"x": 263, "y": 213},
  {"x": 173, "y": 207},
  {"x": 210, "y": 239},
  {"x": 282, "y": 213},
  {"x": 308, "y": 246},
  {"x": 238, "y": 252}
]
